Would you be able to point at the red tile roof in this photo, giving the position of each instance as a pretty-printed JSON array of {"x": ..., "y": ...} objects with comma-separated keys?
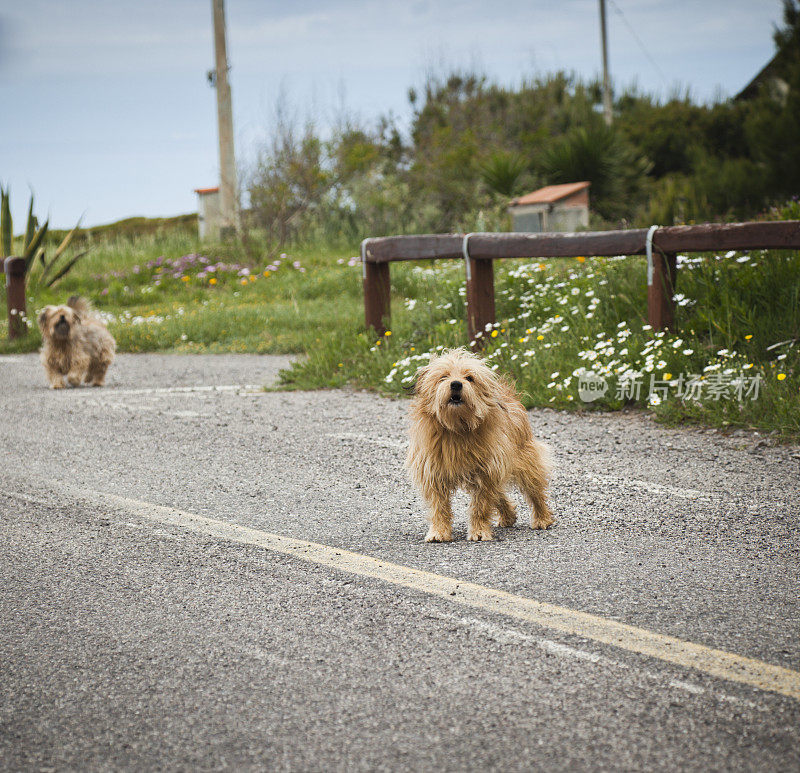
[
  {"x": 206, "y": 190},
  {"x": 551, "y": 193}
]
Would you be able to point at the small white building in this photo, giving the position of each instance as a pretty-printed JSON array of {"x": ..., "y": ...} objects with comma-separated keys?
[
  {"x": 208, "y": 213},
  {"x": 552, "y": 208}
]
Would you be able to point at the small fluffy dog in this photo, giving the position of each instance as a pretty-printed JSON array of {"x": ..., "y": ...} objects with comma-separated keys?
[
  {"x": 469, "y": 430},
  {"x": 76, "y": 344}
]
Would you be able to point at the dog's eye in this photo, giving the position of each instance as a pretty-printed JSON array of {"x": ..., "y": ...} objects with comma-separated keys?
[{"x": 469, "y": 378}]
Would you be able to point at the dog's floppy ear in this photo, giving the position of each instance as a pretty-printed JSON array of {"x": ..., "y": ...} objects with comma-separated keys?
[{"x": 411, "y": 389}]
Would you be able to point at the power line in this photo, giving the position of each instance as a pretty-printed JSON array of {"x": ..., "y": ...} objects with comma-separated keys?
[{"x": 639, "y": 42}]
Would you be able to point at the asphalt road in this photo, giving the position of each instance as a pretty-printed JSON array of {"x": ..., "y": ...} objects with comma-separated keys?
[{"x": 132, "y": 644}]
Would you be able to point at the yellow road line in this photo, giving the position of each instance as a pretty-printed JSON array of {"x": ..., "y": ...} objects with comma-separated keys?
[{"x": 718, "y": 663}]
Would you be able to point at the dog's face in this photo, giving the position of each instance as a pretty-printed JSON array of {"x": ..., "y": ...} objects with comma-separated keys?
[
  {"x": 57, "y": 322},
  {"x": 457, "y": 389}
]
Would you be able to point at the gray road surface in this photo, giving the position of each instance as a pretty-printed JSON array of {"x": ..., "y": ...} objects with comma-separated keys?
[{"x": 126, "y": 645}]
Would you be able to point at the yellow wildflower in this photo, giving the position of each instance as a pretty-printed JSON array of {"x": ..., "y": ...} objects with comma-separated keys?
[
  {"x": 212, "y": 281},
  {"x": 581, "y": 259},
  {"x": 388, "y": 333},
  {"x": 540, "y": 338},
  {"x": 494, "y": 334},
  {"x": 667, "y": 377},
  {"x": 184, "y": 278},
  {"x": 748, "y": 337},
  {"x": 781, "y": 376}
]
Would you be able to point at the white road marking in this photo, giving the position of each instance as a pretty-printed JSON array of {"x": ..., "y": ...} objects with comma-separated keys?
[
  {"x": 387, "y": 443},
  {"x": 652, "y": 488},
  {"x": 695, "y": 689},
  {"x": 512, "y": 636},
  {"x": 112, "y": 392}
]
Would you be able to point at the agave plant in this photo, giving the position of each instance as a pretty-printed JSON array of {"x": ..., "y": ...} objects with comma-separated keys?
[
  {"x": 597, "y": 153},
  {"x": 502, "y": 171},
  {"x": 33, "y": 246}
]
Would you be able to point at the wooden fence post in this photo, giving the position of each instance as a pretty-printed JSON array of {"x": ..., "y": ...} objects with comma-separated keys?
[
  {"x": 480, "y": 297},
  {"x": 15, "y": 297},
  {"x": 377, "y": 309},
  {"x": 660, "y": 306}
]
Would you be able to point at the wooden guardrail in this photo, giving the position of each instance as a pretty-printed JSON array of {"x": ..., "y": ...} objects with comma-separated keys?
[{"x": 479, "y": 250}]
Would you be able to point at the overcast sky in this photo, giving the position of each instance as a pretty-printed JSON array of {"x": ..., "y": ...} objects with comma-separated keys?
[{"x": 106, "y": 111}]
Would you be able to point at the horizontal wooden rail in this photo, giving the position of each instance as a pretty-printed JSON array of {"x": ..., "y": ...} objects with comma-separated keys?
[
  {"x": 689, "y": 238},
  {"x": 483, "y": 248}
]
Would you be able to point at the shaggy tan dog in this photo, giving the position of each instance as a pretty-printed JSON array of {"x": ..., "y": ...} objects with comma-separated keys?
[
  {"x": 469, "y": 430},
  {"x": 76, "y": 344}
]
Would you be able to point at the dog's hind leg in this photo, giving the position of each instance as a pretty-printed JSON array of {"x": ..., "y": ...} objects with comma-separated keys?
[
  {"x": 78, "y": 367},
  {"x": 75, "y": 377},
  {"x": 506, "y": 511},
  {"x": 531, "y": 475},
  {"x": 96, "y": 375},
  {"x": 481, "y": 508},
  {"x": 441, "y": 516}
]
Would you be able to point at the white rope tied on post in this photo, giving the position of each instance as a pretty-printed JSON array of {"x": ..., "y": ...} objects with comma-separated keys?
[
  {"x": 465, "y": 253},
  {"x": 648, "y": 244}
]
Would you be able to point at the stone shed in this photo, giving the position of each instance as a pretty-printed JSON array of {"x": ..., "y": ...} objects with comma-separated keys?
[{"x": 552, "y": 208}]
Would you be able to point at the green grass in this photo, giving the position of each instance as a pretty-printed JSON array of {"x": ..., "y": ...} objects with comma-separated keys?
[
  {"x": 148, "y": 308},
  {"x": 740, "y": 317}
]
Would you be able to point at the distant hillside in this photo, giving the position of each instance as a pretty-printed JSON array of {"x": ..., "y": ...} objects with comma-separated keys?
[{"x": 132, "y": 227}]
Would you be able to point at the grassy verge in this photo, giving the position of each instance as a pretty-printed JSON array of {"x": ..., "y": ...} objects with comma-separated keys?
[
  {"x": 561, "y": 324},
  {"x": 169, "y": 293}
]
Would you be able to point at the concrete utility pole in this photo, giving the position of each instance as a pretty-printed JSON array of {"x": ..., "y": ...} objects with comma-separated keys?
[
  {"x": 227, "y": 162},
  {"x": 606, "y": 83}
]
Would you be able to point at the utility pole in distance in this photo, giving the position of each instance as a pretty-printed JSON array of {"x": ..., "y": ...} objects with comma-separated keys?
[
  {"x": 227, "y": 161},
  {"x": 606, "y": 83}
]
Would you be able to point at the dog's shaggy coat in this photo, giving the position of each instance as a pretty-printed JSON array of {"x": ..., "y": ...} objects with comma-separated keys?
[
  {"x": 75, "y": 344},
  {"x": 469, "y": 430}
]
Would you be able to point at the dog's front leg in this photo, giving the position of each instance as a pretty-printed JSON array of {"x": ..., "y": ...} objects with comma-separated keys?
[
  {"x": 441, "y": 516},
  {"x": 481, "y": 509}
]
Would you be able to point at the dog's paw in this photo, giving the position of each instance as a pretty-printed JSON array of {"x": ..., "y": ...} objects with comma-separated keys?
[
  {"x": 59, "y": 385},
  {"x": 74, "y": 382},
  {"x": 436, "y": 535},
  {"x": 480, "y": 535},
  {"x": 542, "y": 522}
]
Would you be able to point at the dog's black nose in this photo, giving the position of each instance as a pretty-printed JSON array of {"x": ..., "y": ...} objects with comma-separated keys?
[{"x": 456, "y": 386}]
